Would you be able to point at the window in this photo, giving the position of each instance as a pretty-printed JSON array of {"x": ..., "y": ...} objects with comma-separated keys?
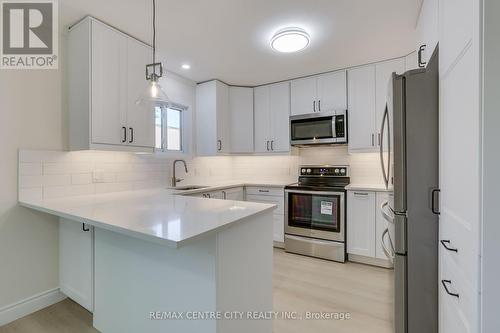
[{"x": 168, "y": 129}]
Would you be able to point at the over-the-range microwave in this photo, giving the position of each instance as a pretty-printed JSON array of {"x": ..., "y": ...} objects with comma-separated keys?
[{"x": 323, "y": 128}]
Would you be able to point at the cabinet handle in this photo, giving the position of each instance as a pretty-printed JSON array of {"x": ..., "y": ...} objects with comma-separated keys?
[
  {"x": 264, "y": 191},
  {"x": 224, "y": 195},
  {"x": 208, "y": 195},
  {"x": 433, "y": 201},
  {"x": 445, "y": 244},
  {"x": 83, "y": 227},
  {"x": 131, "y": 135},
  {"x": 445, "y": 282},
  {"x": 124, "y": 134},
  {"x": 421, "y": 63},
  {"x": 373, "y": 139},
  {"x": 272, "y": 144},
  {"x": 362, "y": 194},
  {"x": 379, "y": 139},
  {"x": 267, "y": 145},
  {"x": 314, "y": 106},
  {"x": 319, "y": 105},
  {"x": 219, "y": 145}
]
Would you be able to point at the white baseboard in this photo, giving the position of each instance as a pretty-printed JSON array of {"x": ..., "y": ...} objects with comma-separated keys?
[
  {"x": 370, "y": 261},
  {"x": 27, "y": 306}
]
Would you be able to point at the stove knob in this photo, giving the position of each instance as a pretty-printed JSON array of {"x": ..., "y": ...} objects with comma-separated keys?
[
  {"x": 342, "y": 170},
  {"x": 303, "y": 171},
  {"x": 336, "y": 170},
  {"x": 308, "y": 170}
]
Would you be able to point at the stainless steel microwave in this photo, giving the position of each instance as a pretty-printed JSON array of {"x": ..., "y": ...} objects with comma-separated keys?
[{"x": 319, "y": 128}]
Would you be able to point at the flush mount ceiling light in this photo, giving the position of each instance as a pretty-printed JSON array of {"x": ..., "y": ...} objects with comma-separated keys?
[
  {"x": 186, "y": 66},
  {"x": 290, "y": 40}
]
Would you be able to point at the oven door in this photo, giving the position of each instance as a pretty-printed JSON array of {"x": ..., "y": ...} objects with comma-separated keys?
[
  {"x": 313, "y": 129},
  {"x": 315, "y": 214}
]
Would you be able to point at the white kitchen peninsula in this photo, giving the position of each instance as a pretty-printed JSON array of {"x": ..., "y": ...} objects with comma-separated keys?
[{"x": 150, "y": 251}]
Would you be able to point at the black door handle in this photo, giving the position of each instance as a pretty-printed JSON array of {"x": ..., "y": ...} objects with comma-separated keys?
[
  {"x": 319, "y": 105},
  {"x": 124, "y": 134},
  {"x": 433, "y": 201},
  {"x": 83, "y": 227},
  {"x": 421, "y": 63},
  {"x": 131, "y": 135},
  {"x": 445, "y": 244},
  {"x": 444, "y": 282},
  {"x": 314, "y": 106}
]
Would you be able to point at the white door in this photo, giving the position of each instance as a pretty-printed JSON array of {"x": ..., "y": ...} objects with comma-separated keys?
[
  {"x": 361, "y": 223},
  {"x": 361, "y": 101},
  {"x": 140, "y": 118},
  {"x": 262, "y": 127},
  {"x": 241, "y": 119},
  {"x": 304, "y": 96},
  {"x": 332, "y": 92},
  {"x": 279, "y": 107},
  {"x": 76, "y": 262},
  {"x": 222, "y": 107},
  {"x": 109, "y": 85},
  {"x": 383, "y": 74}
]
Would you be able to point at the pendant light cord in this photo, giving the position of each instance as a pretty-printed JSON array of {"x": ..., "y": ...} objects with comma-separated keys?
[{"x": 154, "y": 31}]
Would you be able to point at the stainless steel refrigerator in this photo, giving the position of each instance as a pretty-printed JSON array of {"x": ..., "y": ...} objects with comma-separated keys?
[{"x": 410, "y": 162}]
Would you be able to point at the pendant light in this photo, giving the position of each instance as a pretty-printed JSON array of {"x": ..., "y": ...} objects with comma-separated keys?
[{"x": 154, "y": 95}]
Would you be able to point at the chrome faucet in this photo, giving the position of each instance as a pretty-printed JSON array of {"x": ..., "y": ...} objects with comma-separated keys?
[{"x": 175, "y": 180}]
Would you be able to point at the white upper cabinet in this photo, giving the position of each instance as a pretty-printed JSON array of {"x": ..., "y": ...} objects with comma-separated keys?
[
  {"x": 241, "y": 119},
  {"x": 272, "y": 112},
  {"x": 212, "y": 118},
  {"x": 332, "y": 91},
  {"x": 321, "y": 93},
  {"x": 383, "y": 75},
  {"x": 106, "y": 76},
  {"x": 140, "y": 118},
  {"x": 361, "y": 108},
  {"x": 304, "y": 96}
]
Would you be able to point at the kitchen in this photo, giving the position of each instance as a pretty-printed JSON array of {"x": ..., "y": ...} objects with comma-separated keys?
[{"x": 145, "y": 166}]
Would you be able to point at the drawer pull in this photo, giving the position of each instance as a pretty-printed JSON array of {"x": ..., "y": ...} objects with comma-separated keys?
[
  {"x": 445, "y": 282},
  {"x": 264, "y": 191},
  {"x": 445, "y": 244},
  {"x": 359, "y": 193},
  {"x": 84, "y": 228}
]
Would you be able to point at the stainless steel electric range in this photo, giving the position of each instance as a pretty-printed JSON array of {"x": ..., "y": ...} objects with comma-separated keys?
[{"x": 315, "y": 209}]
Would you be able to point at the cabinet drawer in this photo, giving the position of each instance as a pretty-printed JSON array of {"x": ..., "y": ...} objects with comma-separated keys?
[
  {"x": 267, "y": 191},
  {"x": 459, "y": 237},
  {"x": 280, "y": 210},
  {"x": 462, "y": 309}
]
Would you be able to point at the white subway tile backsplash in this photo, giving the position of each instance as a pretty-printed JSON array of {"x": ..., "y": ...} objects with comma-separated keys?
[
  {"x": 56, "y": 180},
  {"x": 81, "y": 178},
  {"x": 51, "y": 192},
  {"x": 84, "y": 189},
  {"x": 30, "y": 181},
  {"x": 35, "y": 193},
  {"x": 30, "y": 169}
]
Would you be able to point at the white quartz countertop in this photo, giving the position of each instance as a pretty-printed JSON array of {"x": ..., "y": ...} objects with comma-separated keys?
[
  {"x": 153, "y": 215},
  {"x": 369, "y": 187}
]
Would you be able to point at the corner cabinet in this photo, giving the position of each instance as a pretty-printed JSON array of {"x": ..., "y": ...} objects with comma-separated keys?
[
  {"x": 106, "y": 77},
  {"x": 272, "y": 117},
  {"x": 321, "y": 93},
  {"x": 224, "y": 119}
]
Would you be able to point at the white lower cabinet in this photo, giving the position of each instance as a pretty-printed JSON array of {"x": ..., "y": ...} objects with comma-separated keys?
[
  {"x": 237, "y": 194},
  {"x": 365, "y": 226},
  {"x": 271, "y": 195},
  {"x": 76, "y": 262}
]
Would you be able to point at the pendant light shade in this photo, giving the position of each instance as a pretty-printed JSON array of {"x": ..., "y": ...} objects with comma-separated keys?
[{"x": 154, "y": 96}]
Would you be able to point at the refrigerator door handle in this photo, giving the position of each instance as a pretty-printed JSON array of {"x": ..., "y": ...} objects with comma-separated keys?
[
  {"x": 388, "y": 215},
  {"x": 385, "y": 172},
  {"x": 433, "y": 201}
]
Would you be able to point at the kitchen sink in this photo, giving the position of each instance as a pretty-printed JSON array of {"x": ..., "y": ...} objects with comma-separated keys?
[{"x": 187, "y": 187}]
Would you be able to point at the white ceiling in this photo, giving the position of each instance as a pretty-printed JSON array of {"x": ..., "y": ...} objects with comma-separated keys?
[{"x": 229, "y": 39}]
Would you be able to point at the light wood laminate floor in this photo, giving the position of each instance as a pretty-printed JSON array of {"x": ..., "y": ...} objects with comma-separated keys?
[{"x": 301, "y": 284}]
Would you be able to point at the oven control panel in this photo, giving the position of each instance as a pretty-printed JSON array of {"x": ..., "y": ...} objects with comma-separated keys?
[{"x": 324, "y": 171}]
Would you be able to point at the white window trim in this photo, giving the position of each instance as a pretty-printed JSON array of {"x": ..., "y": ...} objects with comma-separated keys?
[{"x": 174, "y": 153}]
